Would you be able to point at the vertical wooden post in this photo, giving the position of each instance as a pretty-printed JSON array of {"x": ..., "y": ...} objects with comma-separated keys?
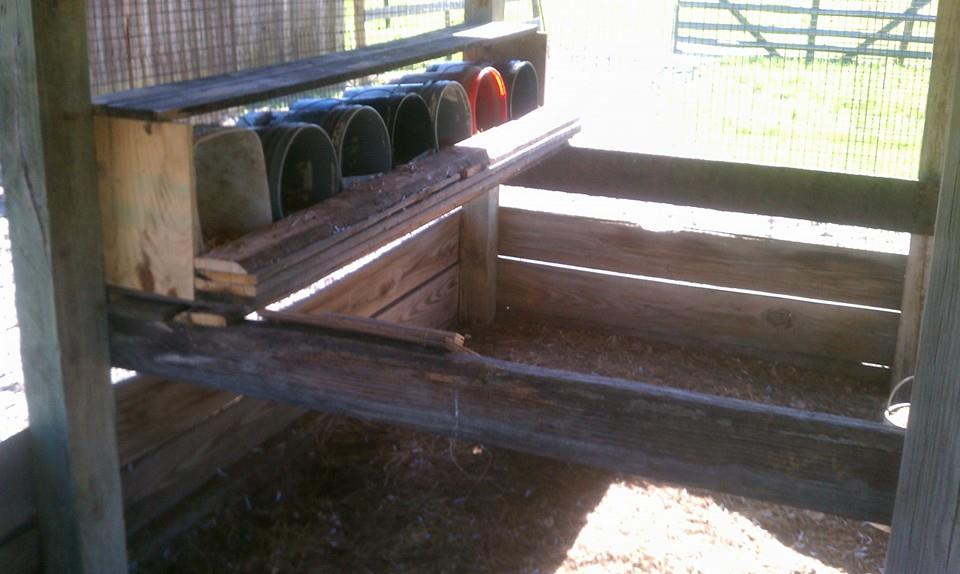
[
  {"x": 931, "y": 162},
  {"x": 926, "y": 521},
  {"x": 360, "y": 23},
  {"x": 483, "y": 11},
  {"x": 478, "y": 260},
  {"x": 46, "y": 141},
  {"x": 812, "y": 31}
]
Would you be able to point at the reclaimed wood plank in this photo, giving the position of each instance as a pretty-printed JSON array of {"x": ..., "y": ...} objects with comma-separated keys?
[
  {"x": 799, "y": 269},
  {"x": 812, "y": 460},
  {"x": 770, "y": 327},
  {"x": 50, "y": 181},
  {"x": 881, "y": 203},
  {"x": 192, "y": 97}
]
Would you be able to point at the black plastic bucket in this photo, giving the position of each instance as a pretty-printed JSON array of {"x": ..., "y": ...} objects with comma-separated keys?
[
  {"x": 449, "y": 107},
  {"x": 407, "y": 117},
  {"x": 358, "y": 133},
  {"x": 484, "y": 85},
  {"x": 301, "y": 166},
  {"x": 523, "y": 87}
]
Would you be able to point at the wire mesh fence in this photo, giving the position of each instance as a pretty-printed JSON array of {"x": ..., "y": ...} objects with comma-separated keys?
[{"x": 837, "y": 85}]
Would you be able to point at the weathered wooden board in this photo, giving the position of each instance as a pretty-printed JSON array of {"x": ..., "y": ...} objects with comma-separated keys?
[
  {"x": 478, "y": 260},
  {"x": 926, "y": 525},
  {"x": 379, "y": 283},
  {"x": 367, "y": 328},
  {"x": 433, "y": 304},
  {"x": 806, "y": 459},
  {"x": 881, "y": 203},
  {"x": 751, "y": 324},
  {"x": 50, "y": 183},
  {"x": 191, "y": 97},
  {"x": 799, "y": 269},
  {"x": 935, "y": 126},
  {"x": 147, "y": 205}
]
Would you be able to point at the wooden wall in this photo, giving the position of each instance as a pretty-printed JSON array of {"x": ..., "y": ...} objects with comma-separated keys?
[
  {"x": 806, "y": 304},
  {"x": 175, "y": 439}
]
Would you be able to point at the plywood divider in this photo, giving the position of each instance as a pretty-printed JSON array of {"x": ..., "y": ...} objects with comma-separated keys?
[{"x": 148, "y": 205}]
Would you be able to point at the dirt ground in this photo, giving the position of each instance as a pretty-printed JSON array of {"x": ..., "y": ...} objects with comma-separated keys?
[{"x": 371, "y": 498}]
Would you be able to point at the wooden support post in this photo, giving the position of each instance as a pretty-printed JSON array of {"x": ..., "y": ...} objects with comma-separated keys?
[
  {"x": 478, "y": 260},
  {"x": 926, "y": 525},
  {"x": 931, "y": 164},
  {"x": 46, "y": 140},
  {"x": 483, "y": 11}
]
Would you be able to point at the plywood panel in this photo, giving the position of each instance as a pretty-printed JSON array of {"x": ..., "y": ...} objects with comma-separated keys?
[{"x": 147, "y": 204}]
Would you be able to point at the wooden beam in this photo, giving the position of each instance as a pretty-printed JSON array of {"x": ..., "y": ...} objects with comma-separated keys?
[
  {"x": 191, "y": 97},
  {"x": 825, "y": 462},
  {"x": 478, "y": 260},
  {"x": 47, "y": 147},
  {"x": 939, "y": 96},
  {"x": 757, "y": 264},
  {"x": 882, "y": 203},
  {"x": 926, "y": 526}
]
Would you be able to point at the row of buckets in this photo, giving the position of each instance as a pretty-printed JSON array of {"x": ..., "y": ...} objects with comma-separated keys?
[{"x": 275, "y": 163}]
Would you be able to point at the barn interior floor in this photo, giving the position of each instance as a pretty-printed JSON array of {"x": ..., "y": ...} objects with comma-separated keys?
[
  {"x": 361, "y": 497},
  {"x": 604, "y": 353}
]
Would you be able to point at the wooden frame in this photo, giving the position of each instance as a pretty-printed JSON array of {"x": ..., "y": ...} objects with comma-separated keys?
[{"x": 71, "y": 409}]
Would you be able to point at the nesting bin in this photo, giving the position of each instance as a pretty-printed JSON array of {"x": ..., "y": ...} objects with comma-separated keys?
[
  {"x": 449, "y": 107},
  {"x": 233, "y": 197},
  {"x": 523, "y": 87},
  {"x": 358, "y": 133},
  {"x": 302, "y": 166},
  {"x": 407, "y": 117},
  {"x": 484, "y": 85}
]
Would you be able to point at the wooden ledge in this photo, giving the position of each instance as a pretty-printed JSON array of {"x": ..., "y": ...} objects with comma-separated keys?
[
  {"x": 191, "y": 97},
  {"x": 263, "y": 266}
]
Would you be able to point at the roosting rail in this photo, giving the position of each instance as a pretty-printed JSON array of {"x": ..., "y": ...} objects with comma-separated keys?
[
  {"x": 191, "y": 97},
  {"x": 812, "y": 460}
]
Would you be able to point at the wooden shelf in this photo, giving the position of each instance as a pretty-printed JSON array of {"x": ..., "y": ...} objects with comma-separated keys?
[
  {"x": 183, "y": 99},
  {"x": 263, "y": 266}
]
